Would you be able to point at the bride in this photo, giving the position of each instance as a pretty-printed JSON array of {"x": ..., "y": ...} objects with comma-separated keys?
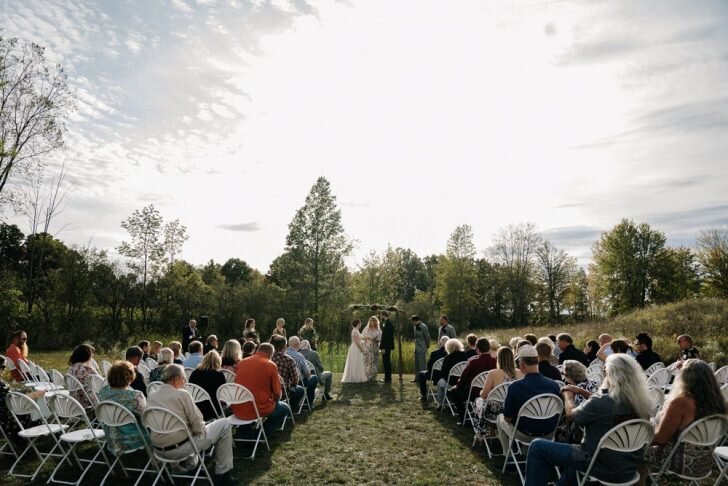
[{"x": 354, "y": 368}]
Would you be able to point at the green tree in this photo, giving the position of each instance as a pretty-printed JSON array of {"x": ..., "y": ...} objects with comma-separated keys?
[
  {"x": 236, "y": 272},
  {"x": 175, "y": 235},
  {"x": 712, "y": 253},
  {"x": 677, "y": 276},
  {"x": 577, "y": 297},
  {"x": 457, "y": 275},
  {"x": 554, "y": 271}
]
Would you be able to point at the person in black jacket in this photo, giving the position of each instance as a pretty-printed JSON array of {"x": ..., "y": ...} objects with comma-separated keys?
[
  {"x": 569, "y": 351},
  {"x": 455, "y": 354},
  {"x": 387, "y": 345},
  {"x": 134, "y": 356},
  {"x": 208, "y": 376},
  {"x": 645, "y": 356},
  {"x": 423, "y": 376},
  {"x": 190, "y": 333}
]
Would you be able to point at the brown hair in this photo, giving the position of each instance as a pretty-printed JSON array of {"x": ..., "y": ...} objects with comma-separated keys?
[
  {"x": 543, "y": 350},
  {"x": 472, "y": 339},
  {"x": 176, "y": 347},
  {"x": 531, "y": 338},
  {"x": 121, "y": 374}
]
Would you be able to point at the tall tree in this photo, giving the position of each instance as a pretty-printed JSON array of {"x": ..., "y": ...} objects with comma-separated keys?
[
  {"x": 712, "y": 253},
  {"x": 457, "y": 275},
  {"x": 175, "y": 235},
  {"x": 236, "y": 271},
  {"x": 555, "y": 269},
  {"x": 676, "y": 276}
]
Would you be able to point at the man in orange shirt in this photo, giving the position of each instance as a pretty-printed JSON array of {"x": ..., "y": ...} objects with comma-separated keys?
[
  {"x": 259, "y": 374},
  {"x": 18, "y": 351}
]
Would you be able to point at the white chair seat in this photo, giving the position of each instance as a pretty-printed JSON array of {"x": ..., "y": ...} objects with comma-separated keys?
[
  {"x": 42, "y": 386},
  {"x": 722, "y": 452},
  {"x": 56, "y": 392},
  {"x": 235, "y": 421},
  {"x": 82, "y": 435},
  {"x": 634, "y": 480},
  {"x": 41, "y": 430}
]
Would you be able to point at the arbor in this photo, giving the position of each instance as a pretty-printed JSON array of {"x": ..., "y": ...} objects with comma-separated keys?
[
  {"x": 712, "y": 253},
  {"x": 457, "y": 275},
  {"x": 34, "y": 102},
  {"x": 554, "y": 270}
]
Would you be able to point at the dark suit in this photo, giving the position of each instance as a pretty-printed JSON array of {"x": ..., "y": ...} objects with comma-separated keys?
[
  {"x": 189, "y": 334},
  {"x": 423, "y": 376},
  {"x": 138, "y": 383},
  {"x": 387, "y": 345},
  {"x": 572, "y": 353}
]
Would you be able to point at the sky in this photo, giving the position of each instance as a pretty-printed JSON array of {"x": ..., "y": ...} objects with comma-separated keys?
[{"x": 423, "y": 115}]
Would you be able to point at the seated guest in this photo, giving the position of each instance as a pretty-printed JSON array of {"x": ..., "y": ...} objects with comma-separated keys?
[
  {"x": 624, "y": 397},
  {"x": 17, "y": 352},
  {"x": 118, "y": 390},
  {"x": 505, "y": 372},
  {"x": 287, "y": 369},
  {"x": 154, "y": 350},
  {"x": 260, "y": 375},
  {"x": 470, "y": 351},
  {"x": 144, "y": 346},
  {"x": 569, "y": 351},
  {"x": 591, "y": 349},
  {"x": 583, "y": 389},
  {"x": 645, "y": 356},
  {"x": 494, "y": 347},
  {"x": 309, "y": 380},
  {"x": 208, "y": 376},
  {"x": 176, "y": 348},
  {"x": 687, "y": 350},
  {"x": 325, "y": 377},
  {"x": 81, "y": 369},
  {"x": 458, "y": 394},
  {"x": 134, "y": 356},
  {"x": 423, "y": 376},
  {"x": 605, "y": 347},
  {"x": 249, "y": 349},
  {"x": 519, "y": 392},
  {"x": 695, "y": 394},
  {"x": 173, "y": 397},
  {"x": 544, "y": 367},
  {"x": 164, "y": 358},
  {"x": 231, "y": 355},
  {"x": 211, "y": 344},
  {"x": 553, "y": 359},
  {"x": 531, "y": 338},
  {"x": 513, "y": 343},
  {"x": 455, "y": 355},
  {"x": 195, "y": 356}
]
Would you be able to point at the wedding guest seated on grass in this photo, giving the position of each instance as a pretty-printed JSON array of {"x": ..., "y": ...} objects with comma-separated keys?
[
  {"x": 208, "y": 376},
  {"x": 423, "y": 376},
  {"x": 176, "y": 348},
  {"x": 118, "y": 390},
  {"x": 458, "y": 394},
  {"x": 195, "y": 356},
  {"x": 81, "y": 369},
  {"x": 519, "y": 392},
  {"x": 249, "y": 349},
  {"x": 544, "y": 367},
  {"x": 624, "y": 397},
  {"x": 646, "y": 357},
  {"x": 470, "y": 341},
  {"x": 455, "y": 355},
  {"x": 325, "y": 377},
  {"x": 166, "y": 357},
  {"x": 134, "y": 356},
  {"x": 505, "y": 372},
  {"x": 695, "y": 394},
  {"x": 569, "y": 351},
  {"x": 231, "y": 355}
]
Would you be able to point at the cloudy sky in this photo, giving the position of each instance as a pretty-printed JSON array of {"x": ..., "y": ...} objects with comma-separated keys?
[{"x": 423, "y": 115}]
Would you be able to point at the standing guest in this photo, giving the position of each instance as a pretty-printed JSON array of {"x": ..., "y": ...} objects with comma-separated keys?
[
  {"x": 470, "y": 341},
  {"x": 309, "y": 381},
  {"x": 173, "y": 397},
  {"x": 624, "y": 397},
  {"x": 154, "y": 350},
  {"x": 455, "y": 355},
  {"x": 280, "y": 329},
  {"x": 211, "y": 344},
  {"x": 118, "y": 390},
  {"x": 231, "y": 355},
  {"x": 458, "y": 394},
  {"x": 176, "y": 348},
  {"x": 81, "y": 369},
  {"x": 287, "y": 369},
  {"x": 387, "y": 345},
  {"x": 687, "y": 350},
  {"x": 259, "y": 374},
  {"x": 190, "y": 333},
  {"x": 308, "y": 333},
  {"x": 531, "y": 338},
  {"x": 423, "y": 376},
  {"x": 195, "y": 356},
  {"x": 646, "y": 357},
  {"x": 519, "y": 392},
  {"x": 694, "y": 395},
  {"x": 144, "y": 345},
  {"x": 208, "y": 376},
  {"x": 325, "y": 377},
  {"x": 249, "y": 331},
  {"x": 422, "y": 343},
  {"x": 445, "y": 328},
  {"x": 249, "y": 349},
  {"x": 166, "y": 357},
  {"x": 569, "y": 351},
  {"x": 17, "y": 352},
  {"x": 544, "y": 367},
  {"x": 134, "y": 356},
  {"x": 505, "y": 372},
  {"x": 591, "y": 349},
  {"x": 494, "y": 347}
]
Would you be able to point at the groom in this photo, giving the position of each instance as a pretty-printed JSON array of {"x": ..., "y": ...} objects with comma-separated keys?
[{"x": 387, "y": 345}]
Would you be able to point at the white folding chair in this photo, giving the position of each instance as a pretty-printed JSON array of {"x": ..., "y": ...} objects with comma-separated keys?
[
  {"x": 476, "y": 384},
  {"x": 305, "y": 402},
  {"x": 712, "y": 366},
  {"x": 284, "y": 393},
  {"x": 151, "y": 363},
  {"x": 496, "y": 395},
  {"x": 705, "y": 432},
  {"x": 75, "y": 386},
  {"x": 144, "y": 371},
  {"x": 541, "y": 407},
  {"x": 105, "y": 367},
  {"x": 629, "y": 436},
  {"x": 113, "y": 415},
  {"x": 233, "y": 394},
  {"x": 7, "y": 448},
  {"x": 229, "y": 376},
  {"x": 58, "y": 380},
  {"x": 19, "y": 405},
  {"x": 165, "y": 422},
  {"x": 68, "y": 409},
  {"x": 659, "y": 379},
  {"x": 311, "y": 368},
  {"x": 199, "y": 395},
  {"x": 720, "y": 454},
  {"x": 724, "y": 391},
  {"x": 188, "y": 372},
  {"x": 153, "y": 386},
  {"x": 432, "y": 387},
  {"x": 26, "y": 372},
  {"x": 455, "y": 372},
  {"x": 722, "y": 375},
  {"x": 595, "y": 374},
  {"x": 653, "y": 368},
  {"x": 658, "y": 399}
]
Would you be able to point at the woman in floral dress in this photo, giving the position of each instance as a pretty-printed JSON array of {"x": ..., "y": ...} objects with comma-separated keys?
[{"x": 371, "y": 336}]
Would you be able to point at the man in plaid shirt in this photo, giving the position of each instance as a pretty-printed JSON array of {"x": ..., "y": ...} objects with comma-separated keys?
[{"x": 288, "y": 370}]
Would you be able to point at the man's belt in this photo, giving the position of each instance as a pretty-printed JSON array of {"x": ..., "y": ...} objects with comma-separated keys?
[{"x": 174, "y": 446}]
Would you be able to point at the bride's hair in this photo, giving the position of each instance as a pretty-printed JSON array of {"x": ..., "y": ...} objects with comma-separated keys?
[
  {"x": 355, "y": 323},
  {"x": 374, "y": 320}
]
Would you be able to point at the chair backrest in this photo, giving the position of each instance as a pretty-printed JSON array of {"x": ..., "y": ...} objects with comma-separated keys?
[
  {"x": 151, "y": 363},
  {"x": 479, "y": 380},
  {"x": 498, "y": 393},
  {"x": 165, "y": 422},
  {"x": 722, "y": 375},
  {"x": 234, "y": 394},
  {"x": 65, "y": 407},
  {"x": 724, "y": 390},
  {"x": 712, "y": 366},
  {"x": 437, "y": 365},
  {"x": 229, "y": 376},
  {"x": 57, "y": 378},
  {"x": 9, "y": 365},
  {"x": 144, "y": 370},
  {"x": 542, "y": 407},
  {"x": 457, "y": 370},
  {"x": 97, "y": 383},
  {"x": 629, "y": 436},
  {"x": 659, "y": 378},
  {"x": 105, "y": 367},
  {"x": 595, "y": 374},
  {"x": 26, "y": 371},
  {"x": 284, "y": 390},
  {"x": 658, "y": 398},
  {"x": 114, "y": 414},
  {"x": 311, "y": 368},
  {"x": 153, "y": 386},
  {"x": 21, "y": 404},
  {"x": 198, "y": 393},
  {"x": 188, "y": 373},
  {"x": 654, "y": 367},
  {"x": 73, "y": 385},
  {"x": 705, "y": 432}
]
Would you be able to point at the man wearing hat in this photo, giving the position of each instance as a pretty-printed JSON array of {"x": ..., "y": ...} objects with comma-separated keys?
[{"x": 519, "y": 392}]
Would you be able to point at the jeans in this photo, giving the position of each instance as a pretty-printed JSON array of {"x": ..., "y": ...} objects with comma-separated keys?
[
  {"x": 295, "y": 395},
  {"x": 310, "y": 384},
  {"x": 276, "y": 418},
  {"x": 543, "y": 455},
  {"x": 325, "y": 380}
]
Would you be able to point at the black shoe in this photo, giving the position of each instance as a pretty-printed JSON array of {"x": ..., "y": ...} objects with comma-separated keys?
[
  {"x": 423, "y": 399},
  {"x": 223, "y": 479},
  {"x": 327, "y": 397}
]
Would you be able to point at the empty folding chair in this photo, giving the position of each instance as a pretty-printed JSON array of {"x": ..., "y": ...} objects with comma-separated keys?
[
  {"x": 432, "y": 387},
  {"x": 153, "y": 386},
  {"x": 229, "y": 376},
  {"x": 26, "y": 372},
  {"x": 58, "y": 380},
  {"x": 68, "y": 409},
  {"x": 19, "y": 405},
  {"x": 233, "y": 394},
  {"x": 165, "y": 422},
  {"x": 455, "y": 372},
  {"x": 722, "y": 375},
  {"x": 496, "y": 398},
  {"x": 658, "y": 399},
  {"x": 476, "y": 384},
  {"x": 629, "y": 436}
]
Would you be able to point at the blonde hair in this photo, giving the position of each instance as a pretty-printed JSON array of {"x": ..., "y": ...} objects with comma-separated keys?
[
  {"x": 156, "y": 346},
  {"x": 176, "y": 347},
  {"x": 626, "y": 383},
  {"x": 211, "y": 361},
  {"x": 494, "y": 345},
  {"x": 232, "y": 352},
  {"x": 453, "y": 345},
  {"x": 506, "y": 361},
  {"x": 513, "y": 343},
  {"x": 374, "y": 320}
]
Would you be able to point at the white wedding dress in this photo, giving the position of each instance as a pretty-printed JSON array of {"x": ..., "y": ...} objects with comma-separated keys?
[{"x": 354, "y": 371}]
